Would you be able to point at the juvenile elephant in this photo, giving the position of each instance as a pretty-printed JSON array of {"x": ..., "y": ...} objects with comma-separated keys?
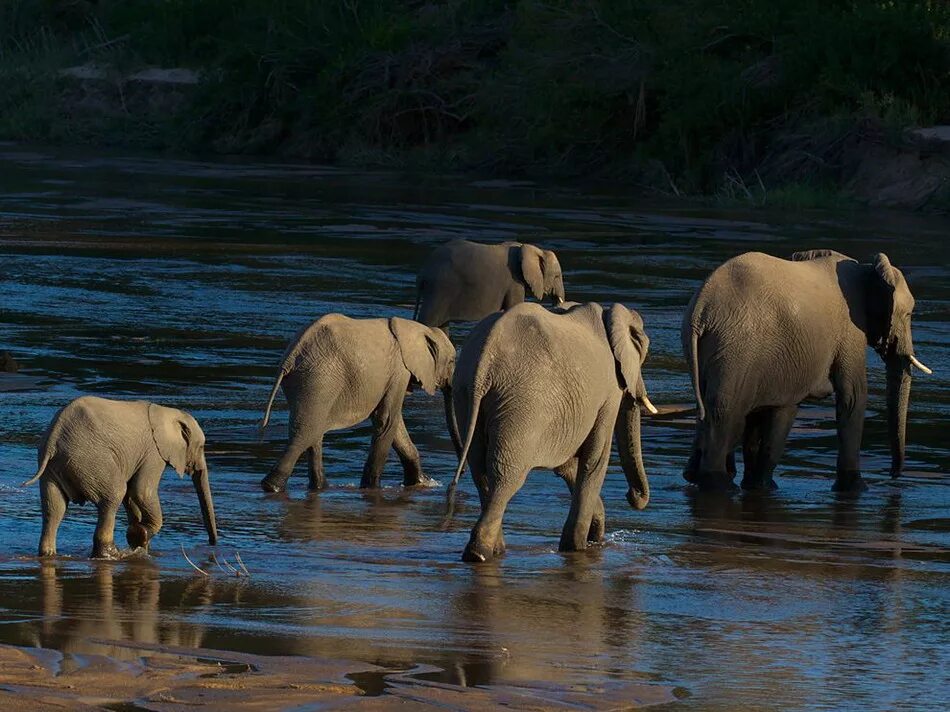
[
  {"x": 340, "y": 371},
  {"x": 467, "y": 281},
  {"x": 536, "y": 388},
  {"x": 763, "y": 333},
  {"x": 113, "y": 453}
]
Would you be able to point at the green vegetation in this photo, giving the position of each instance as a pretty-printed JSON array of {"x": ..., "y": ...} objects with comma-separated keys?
[{"x": 677, "y": 94}]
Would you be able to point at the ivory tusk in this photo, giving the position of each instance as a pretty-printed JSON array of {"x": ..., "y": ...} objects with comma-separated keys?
[
  {"x": 649, "y": 406},
  {"x": 918, "y": 364}
]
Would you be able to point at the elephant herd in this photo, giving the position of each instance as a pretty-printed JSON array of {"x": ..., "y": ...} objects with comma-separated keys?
[{"x": 531, "y": 387}]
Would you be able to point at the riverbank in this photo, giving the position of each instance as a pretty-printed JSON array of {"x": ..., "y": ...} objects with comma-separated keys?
[{"x": 784, "y": 103}]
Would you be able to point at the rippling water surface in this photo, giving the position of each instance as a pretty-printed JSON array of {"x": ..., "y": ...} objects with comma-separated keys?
[{"x": 181, "y": 282}]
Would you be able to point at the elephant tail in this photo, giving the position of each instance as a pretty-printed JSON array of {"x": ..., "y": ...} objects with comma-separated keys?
[
  {"x": 47, "y": 456},
  {"x": 273, "y": 394},
  {"x": 463, "y": 455},
  {"x": 693, "y": 357}
]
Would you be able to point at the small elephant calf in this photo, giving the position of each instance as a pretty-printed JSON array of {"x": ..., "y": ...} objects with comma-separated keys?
[
  {"x": 341, "y": 371},
  {"x": 113, "y": 453}
]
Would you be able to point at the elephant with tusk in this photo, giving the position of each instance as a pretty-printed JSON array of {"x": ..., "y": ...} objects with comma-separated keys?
[
  {"x": 538, "y": 388},
  {"x": 341, "y": 371},
  {"x": 763, "y": 333},
  {"x": 113, "y": 453},
  {"x": 467, "y": 281}
]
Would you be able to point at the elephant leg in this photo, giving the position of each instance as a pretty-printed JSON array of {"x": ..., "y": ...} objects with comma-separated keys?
[
  {"x": 53, "y": 503},
  {"x": 318, "y": 480},
  {"x": 752, "y": 446},
  {"x": 774, "y": 438},
  {"x": 478, "y": 467},
  {"x": 103, "y": 543},
  {"x": 386, "y": 420},
  {"x": 487, "y": 539},
  {"x": 586, "y": 502},
  {"x": 691, "y": 472},
  {"x": 568, "y": 472},
  {"x": 145, "y": 518},
  {"x": 721, "y": 433},
  {"x": 409, "y": 457},
  {"x": 276, "y": 479},
  {"x": 850, "y": 403}
]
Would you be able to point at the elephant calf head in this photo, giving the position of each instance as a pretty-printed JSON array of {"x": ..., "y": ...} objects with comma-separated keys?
[
  {"x": 181, "y": 443},
  {"x": 629, "y": 344},
  {"x": 429, "y": 355},
  {"x": 542, "y": 273}
]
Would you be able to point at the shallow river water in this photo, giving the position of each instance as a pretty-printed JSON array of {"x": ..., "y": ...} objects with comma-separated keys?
[{"x": 181, "y": 282}]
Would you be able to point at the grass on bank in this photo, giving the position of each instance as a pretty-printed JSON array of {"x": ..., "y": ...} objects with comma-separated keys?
[{"x": 679, "y": 94}]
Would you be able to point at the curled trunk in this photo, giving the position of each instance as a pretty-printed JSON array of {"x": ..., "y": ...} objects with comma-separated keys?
[
  {"x": 203, "y": 489},
  {"x": 627, "y": 431},
  {"x": 898, "y": 398}
]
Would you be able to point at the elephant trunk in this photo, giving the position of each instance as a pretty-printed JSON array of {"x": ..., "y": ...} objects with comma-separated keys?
[
  {"x": 451, "y": 420},
  {"x": 627, "y": 431},
  {"x": 557, "y": 294},
  {"x": 203, "y": 489},
  {"x": 898, "y": 398}
]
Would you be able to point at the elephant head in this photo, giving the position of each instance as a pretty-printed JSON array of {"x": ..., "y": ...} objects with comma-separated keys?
[
  {"x": 629, "y": 344},
  {"x": 429, "y": 355},
  {"x": 181, "y": 443},
  {"x": 542, "y": 273},
  {"x": 889, "y": 308}
]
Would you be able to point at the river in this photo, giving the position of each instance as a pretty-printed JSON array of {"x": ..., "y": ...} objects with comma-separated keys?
[{"x": 181, "y": 281}]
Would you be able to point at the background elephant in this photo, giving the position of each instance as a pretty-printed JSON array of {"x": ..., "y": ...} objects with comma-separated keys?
[
  {"x": 340, "y": 371},
  {"x": 113, "y": 453},
  {"x": 535, "y": 388},
  {"x": 467, "y": 281},
  {"x": 763, "y": 333}
]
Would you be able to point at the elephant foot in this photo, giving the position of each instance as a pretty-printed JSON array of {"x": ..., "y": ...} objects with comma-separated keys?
[
  {"x": 420, "y": 481},
  {"x": 316, "y": 485},
  {"x": 849, "y": 483},
  {"x": 476, "y": 553},
  {"x": 105, "y": 551},
  {"x": 46, "y": 552},
  {"x": 595, "y": 535},
  {"x": 758, "y": 485},
  {"x": 137, "y": 536},
  {"x": 715, "y": 482},
  {"x": 273, "y": 484},
  {"x": 369, "y": 483}
]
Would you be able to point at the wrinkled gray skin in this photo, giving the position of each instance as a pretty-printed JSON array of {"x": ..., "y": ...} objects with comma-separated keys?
[
  {"x": 340, "y": 371},
  {"x": 112, "y": 453},
  {"x": 538, "y": 388},
  {"x": 764, "y": 333},
  {"x": 467, "y": 281}
]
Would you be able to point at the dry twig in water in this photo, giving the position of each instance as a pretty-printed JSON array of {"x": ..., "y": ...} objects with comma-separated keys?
[{"x": 201, "y": 571}]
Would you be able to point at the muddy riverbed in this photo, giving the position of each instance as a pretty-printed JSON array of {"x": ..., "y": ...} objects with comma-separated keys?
[{"x": 181, "y": 282}]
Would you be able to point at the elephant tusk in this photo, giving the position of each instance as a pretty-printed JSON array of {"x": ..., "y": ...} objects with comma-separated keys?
[
  {"x": 918, "y": 364},
  {"x": 649, "y": 406}
]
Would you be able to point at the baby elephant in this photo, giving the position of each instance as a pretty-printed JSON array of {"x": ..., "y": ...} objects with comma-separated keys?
[
  {"x": 113, "y": 453},
  {"x": 340, "y": 371},
  {"x": 467, "y": 281}
]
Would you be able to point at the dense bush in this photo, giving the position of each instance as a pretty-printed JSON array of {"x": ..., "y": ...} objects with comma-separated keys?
[{"x": 693, "y": 86}]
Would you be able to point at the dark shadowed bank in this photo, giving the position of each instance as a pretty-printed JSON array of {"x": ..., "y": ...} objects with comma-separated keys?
[{"x": 792, "y": 102}]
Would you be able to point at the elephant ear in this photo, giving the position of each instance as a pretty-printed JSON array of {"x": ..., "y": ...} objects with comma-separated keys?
[
  {"x": 172, "y": 435},
  {"x": 629, "y": 344},
  {"x": 532, "y": 269},
  {"x": 419, "y": 348},
  {"x": 806, "y": 255},
  {"x": 890, "y": 281}
]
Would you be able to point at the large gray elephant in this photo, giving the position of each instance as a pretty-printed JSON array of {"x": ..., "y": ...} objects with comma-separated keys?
[
  {"x": 467, "y": 281},
  {"x": 113, "y": 453},
  {"x": 339, "y": 371},
  {"x": 764, "y": 333},
  {"x": 536, "y": 388}
]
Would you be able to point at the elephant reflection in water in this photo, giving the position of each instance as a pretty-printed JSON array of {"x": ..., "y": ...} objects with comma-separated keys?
[
  {"x": 121, "y": 603},
  {"x": 373, "y": 519},
  {"x": 580, "y": 613}
]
